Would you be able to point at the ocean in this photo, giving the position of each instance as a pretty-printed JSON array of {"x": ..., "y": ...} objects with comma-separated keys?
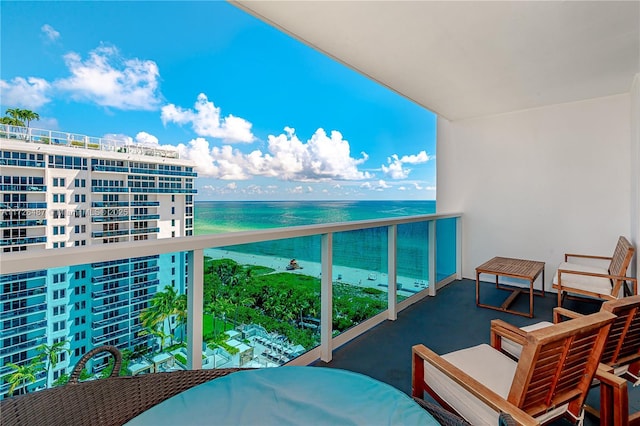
[{"x": 365, "y": 249}]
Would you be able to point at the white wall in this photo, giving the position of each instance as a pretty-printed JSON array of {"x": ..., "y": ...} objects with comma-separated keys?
[
  {"x": 538, "y": 183},
  {"x": 635, "y": 167}
]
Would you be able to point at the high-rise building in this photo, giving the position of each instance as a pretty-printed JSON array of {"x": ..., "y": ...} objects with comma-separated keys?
[{"x": 60, "y": 190}]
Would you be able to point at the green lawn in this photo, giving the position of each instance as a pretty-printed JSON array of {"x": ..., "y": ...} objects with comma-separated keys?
[{"x": 207, "y": 325}]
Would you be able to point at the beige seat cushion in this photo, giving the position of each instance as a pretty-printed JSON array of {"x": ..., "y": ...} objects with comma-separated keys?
[
  {"x": 584, "y": 282},
  {"x": 488, "y": 366}
]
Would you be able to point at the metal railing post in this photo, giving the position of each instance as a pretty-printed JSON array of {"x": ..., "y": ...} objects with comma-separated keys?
[
  {"x": 431, "y": 290},
  {"x": 392, "y": 266},
  {"x": 195, "y": 272},
  {"x": 326, "y": 297}
]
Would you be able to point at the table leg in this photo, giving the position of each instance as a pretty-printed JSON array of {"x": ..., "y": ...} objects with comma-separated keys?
[
  {"x": 531, "y": 299},
  {"x": 477, "y": 288}
]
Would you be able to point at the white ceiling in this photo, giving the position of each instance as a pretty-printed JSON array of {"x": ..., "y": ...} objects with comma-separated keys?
[{"x": 465, "y": 59}]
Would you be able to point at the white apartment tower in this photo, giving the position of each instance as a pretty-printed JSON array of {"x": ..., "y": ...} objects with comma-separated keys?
[{"x": 60, "y": 190}]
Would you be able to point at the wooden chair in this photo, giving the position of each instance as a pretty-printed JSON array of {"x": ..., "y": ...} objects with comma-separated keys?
[
  {"x": 620, "y": 358},
  {"x": 550, "y": 380},
  {"x": 600, "y": 277}
]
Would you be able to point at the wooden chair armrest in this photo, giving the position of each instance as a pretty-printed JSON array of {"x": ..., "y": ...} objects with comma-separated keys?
[
  {"x": 559, "y": 313},
  {"x": 501, "y": 329},
  {"x": 585, "y": 256},
  {"x": 477, "y": 389},
  {"x": 609, "y": 379},
  {"x": 595, "y": 274},
  {"x": 605, "y": 368}
]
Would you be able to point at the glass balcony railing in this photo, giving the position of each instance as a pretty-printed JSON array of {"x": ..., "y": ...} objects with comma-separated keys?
[{"x": 255, "y": 299}]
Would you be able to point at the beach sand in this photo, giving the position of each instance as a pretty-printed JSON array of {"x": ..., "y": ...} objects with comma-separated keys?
[{"x": 342, "y": 274}]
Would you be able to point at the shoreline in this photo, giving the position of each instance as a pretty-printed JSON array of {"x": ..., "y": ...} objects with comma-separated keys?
[{"x": 341, "y": 274}]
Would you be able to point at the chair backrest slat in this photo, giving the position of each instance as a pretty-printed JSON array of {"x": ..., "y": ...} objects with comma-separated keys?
[
  {"x": 622, "y": 256},
  {"x": 623, "y": 343},
  {"x": 558, "y": 363}
]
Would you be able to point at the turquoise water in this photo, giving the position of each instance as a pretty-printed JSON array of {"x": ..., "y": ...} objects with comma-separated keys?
[
  {"x": 366, "y": 249},
  {"x": 212, "y": 217}
]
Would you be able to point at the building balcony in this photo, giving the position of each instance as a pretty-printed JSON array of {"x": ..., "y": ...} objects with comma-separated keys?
[
  {"x": 23, "y": 311},
  {"x": 98, "y": 340},
  {"x": 22, "y": 205},
  {"x": 109, "y": 219},
  {"x": 23, "y": 188},
  {"x": 109, "y": 321},
  {"x": 146, "y": 217},
  {"x": 434, "y": 263},
  {"x": 22, "y": 223},
  {"x": 145, "y": 203},
  {"x": 144, "y": 284},
  {"x": 144, "y": 231},
  {"x": 109, "y": 307},
  {"x": 30, "y": 344},
  {"x": 110, "y": 277},
  {"x": 115, "y": 169},
  {"x": 21, "y": 241},
  {"x": 103, "y": 204},
  {"x": 14, "y": 331},
  {"x": 104, "y": 234},
  {"x": 110, "y": 292},
  {"x": 22, "y": 294},
  {"x": 109, "y": 189}
]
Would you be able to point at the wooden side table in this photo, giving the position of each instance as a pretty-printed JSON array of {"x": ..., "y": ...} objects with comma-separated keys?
[{"x": 514, "y": 268}]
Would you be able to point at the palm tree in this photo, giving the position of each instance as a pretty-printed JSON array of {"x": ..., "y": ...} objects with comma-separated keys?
[
  {"x": 241, "y": 301},
  {"x": 181, "y": 313},
  {"x": 157, "y": 332},
  {"x": 28, "y": 116},
  {"x": 22, "y": 376},
  {"x": 211, "y": 309},
  {"x": 10, "y": 121},
  {"x": 224, "y": 307},
  {"x": 162, "y": 307},
  {"x": 14, "y": 115},
  {"x": 51, "y": 354}
]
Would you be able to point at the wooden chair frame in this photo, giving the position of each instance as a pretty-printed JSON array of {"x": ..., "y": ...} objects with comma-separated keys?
[
  {"x": 557, "y": 366},
  {"x": 622, "y": 349},
  {"x": 618, "y": 266}
]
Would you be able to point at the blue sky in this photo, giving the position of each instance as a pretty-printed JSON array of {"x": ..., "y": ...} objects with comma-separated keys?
[{"x": 263, "y": 116}]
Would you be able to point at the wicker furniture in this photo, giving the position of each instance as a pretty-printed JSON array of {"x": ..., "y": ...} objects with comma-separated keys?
[
  {"x": 107, "y": 402},
  {"x": 620, "y": 358},
  {"x": 550, "y": 380},
  {"x": 528, "y": 270},
  {"x": 601, "y": 277}
]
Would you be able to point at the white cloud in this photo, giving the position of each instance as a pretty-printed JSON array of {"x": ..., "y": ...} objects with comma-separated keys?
[
  {"x": 30, "y": 93},
  {"x": 108, "y": 79},
  {"x": 145, "y": 138},
  {"x": 379, "y": 186},
  {"x": 118, "y": 139},
  {"x": 50, "y": 32},
  {"x": 396, "y": 169},
  {"x": 206, "y": 121},
  {"x": 320, "y": 158}
]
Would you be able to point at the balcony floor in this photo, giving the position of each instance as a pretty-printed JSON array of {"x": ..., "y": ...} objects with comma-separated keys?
[{"x": 446, "y": 323}]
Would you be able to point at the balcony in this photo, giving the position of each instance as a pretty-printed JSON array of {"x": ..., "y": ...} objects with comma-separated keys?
[
  {"x": 435, "y": 262},
  {"x": 23, "y": 311},
  {"x": 144, "y": 231},
  {"x": 19, "y": 241},
  {"x": 23, "y": 188},
  {"x": 22, "y": 223},
  {"x": 22, "y": 205},
  {"x": 22, "y": 294}
]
